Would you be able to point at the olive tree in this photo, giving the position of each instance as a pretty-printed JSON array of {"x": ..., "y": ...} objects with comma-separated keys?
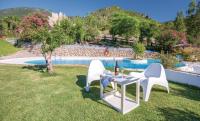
[
  {"x": 149, "y": 31},
  {"x": 78, "y": 29},
  {"x": 50, "y": 39},
  {"x": 51, "y": 32},
  {"x": 125, "y": 25},
  {"x": 90, "y": 28}
]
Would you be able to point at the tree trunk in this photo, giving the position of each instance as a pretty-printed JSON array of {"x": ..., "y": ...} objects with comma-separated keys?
[
  {"x": 49, "y": 62},
  {"x": 136, "y": 57}
]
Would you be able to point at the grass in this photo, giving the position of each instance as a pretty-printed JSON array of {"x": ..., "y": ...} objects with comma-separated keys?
[
  {"x": 6, "y": 48},
  {"x": 29, "y": 94}
]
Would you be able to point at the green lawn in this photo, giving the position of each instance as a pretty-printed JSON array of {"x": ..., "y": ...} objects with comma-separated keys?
[
  {"x": 6, "y": 48},
  {"x": 28, "y": 94}
]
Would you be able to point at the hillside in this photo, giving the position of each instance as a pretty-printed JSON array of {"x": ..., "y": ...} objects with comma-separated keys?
[
  {"x": 104, "y": 13},
  {"x": 104, "y": 16},
  {"x": 20, "y": 11},
  {"x": 107, "y": 12}
]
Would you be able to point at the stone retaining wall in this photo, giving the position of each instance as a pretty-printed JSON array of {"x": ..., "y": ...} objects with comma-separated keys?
[
  {"x": 81, "y": 50},
  {"x": 91, "y": 51},
  {"x": 78, "y": 50}
]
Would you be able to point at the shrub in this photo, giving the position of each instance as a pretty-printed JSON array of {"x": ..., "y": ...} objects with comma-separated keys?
[
  {"x": 190, "y": 54},
  {"x": 168, "y": 60},
  {"x": 30, "y": 24},
  {"x": 187, "y": 52},
  {"x": 138, "y": 49},
  {"x": 170, "y": 38}
]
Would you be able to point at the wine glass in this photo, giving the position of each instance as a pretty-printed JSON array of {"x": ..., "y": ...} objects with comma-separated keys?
[{"x": 122, "y": 69}]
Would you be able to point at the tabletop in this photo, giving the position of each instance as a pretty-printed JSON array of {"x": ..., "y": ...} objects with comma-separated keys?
[{"x": 121, "y": 79}]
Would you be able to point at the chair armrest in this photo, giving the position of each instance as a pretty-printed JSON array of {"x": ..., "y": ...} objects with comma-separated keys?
[
  {"x": 136, "y": 74},
  {"x": 154, "y": 78}
]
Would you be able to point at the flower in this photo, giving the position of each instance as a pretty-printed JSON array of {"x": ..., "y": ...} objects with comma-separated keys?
[{"x": 55, "y": 18}]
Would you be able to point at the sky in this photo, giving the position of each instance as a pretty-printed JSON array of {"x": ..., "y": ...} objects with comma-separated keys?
[{"x": 160, "y": 10}]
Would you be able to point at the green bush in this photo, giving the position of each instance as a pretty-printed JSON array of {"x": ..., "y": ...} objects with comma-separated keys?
[
  {"x": 168, "y": 60},
  {"x": 190, "y": 54},
  {"x": 138, "y": 49}
]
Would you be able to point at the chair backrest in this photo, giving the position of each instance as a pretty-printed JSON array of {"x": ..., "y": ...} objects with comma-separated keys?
[
  {"x": 196, "y": 69},
  {"x": 154, "y": 70},
  {"x": 96, "y": 68}
]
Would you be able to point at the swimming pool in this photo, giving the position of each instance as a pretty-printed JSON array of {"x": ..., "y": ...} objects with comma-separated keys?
[{"x": 109, "y": 63}]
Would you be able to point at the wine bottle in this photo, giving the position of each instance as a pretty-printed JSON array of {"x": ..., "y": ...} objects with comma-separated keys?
[{"x": 116, "y": 68}]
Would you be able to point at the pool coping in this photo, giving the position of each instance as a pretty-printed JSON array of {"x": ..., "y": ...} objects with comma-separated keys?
[{"x": 22, "y": 61}]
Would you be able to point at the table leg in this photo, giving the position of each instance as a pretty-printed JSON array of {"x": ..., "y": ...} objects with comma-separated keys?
[
  {"x": 101, "y": 90},
  {"x": 123, "y": 97},
  {"x": 115, "y": 86},
  {"x": 138, "y": 92}
]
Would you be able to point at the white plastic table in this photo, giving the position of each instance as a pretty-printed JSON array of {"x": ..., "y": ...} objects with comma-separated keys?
[{"x": 119, "y": 100}]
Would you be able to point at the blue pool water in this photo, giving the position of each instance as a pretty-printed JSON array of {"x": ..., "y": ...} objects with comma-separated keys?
[{"x": 125, "y": 63}]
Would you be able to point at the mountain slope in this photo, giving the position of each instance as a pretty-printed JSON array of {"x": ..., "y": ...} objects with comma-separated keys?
[
  {"x": 20, "y": 11},
  {"x": 104, "y": 15},
  {"x": 107, "y": 12}
]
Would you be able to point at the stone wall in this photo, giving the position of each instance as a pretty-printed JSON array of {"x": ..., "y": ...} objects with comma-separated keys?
[
  {"x": 78, "y": 50},
  {"x": 86, "y": 50}
]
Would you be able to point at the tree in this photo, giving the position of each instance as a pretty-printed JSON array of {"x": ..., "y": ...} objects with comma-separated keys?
[
  {"x": 30, "y": 24},
  {"x": 67, "y": 28},
  {"x": 192, "y": 8},
  {"x": 50, "y": 32},
  {"x": 51, "y": 39},
  {"x": 170, "y": 38},
  {"x": 8, "y": 25},
  {"x": 90, "y": 28},
  {"x": 148, "y": 31},
  {"x": 169, "y": 25},
  {"x": 154, "y": 30},
  {"x": 78, "y": 29},
  {"x": 125, "y": 26},
  {"x": 193, "y": 27},
  {"x": 138, "y": 49},
  {"x": 180, "y": 22},
  {"x": 198, "y": 7},
  {"x": 12, "y": 22},
  {"x": 3, "y": 28}
]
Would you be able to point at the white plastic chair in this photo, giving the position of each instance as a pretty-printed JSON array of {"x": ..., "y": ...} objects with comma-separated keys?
[
  {"x": 96, "y": 69},
  {"x": 154, "y": 74},
  {"x": 196, "y": 69}
]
